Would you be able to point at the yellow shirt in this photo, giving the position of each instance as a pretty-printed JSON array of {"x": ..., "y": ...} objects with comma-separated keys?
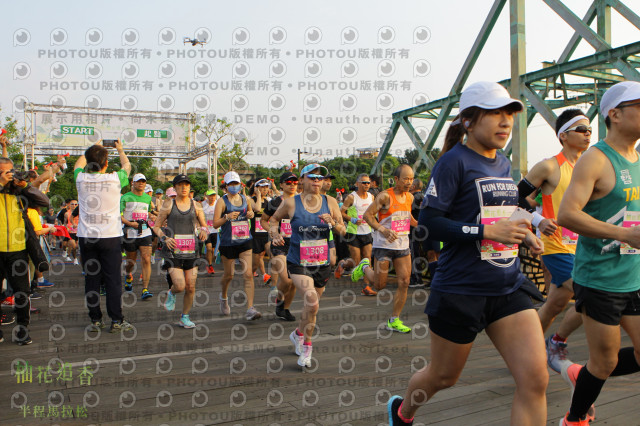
[
  {"x": 12, "y": 237},
  {"x": 550, "y": 203},
  {"x": 34, "y": 217}
]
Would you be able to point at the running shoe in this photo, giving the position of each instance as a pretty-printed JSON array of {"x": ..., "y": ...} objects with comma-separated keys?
[
  {"x": 556, "y": 354},
  {"x": 255, "y": 274},
  {"x": 140, "y": 279},
  {"x": 146, "y": 294},
  {"x": 170, "y": 303},
  {"x": 67, "y": 258},
  {"x": 298, "y": 342},
  {"x": 570, "y": 375},
  {"x": 186, "y": 322},
  {"x": 95, "y": 326},
  {"x": 128, "y": 282},
  {"x": 118, "y": 326},
  {"x": 397, "y": 325},
  {"x": 368, "y": 291},
  {"x": 75, "y": 261},
  {"x": 358, "y": 271},
  {"x": 565, "y": 422},
  {"x": 9, "y": 301},
  {"x": 33, "y": 310},
  {"x": 283, "y": 313},
  {"x": 273, "y": 295},
  {"x": 153, "y": 260},
  {"x": 252, "y": 314},
  {"x": 7, "y": 319},
  {"x": 210, "y": 270},
  {"x": 266, "y": 279},
  {"x": 392, "y": 409},
  {"x": 304, "y": 360},
  {"x": 339, "y": 270},
  {"x": 224, "y": 306},
  {"x": 23, "y": 339},
  {"x": 35, "y": 296},
  {"x": 417, "y": 285},
  {"x": 45, "y": 283},
  {"x": 103, "y": 291}
]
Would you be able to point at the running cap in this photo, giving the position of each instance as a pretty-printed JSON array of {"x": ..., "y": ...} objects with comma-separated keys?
[
  {"x": 618, "y": 93},
  {"x": 148, "y": 188},
  {"x": 287, "y": 176},
  {"x": 231, "y": 177},
  {"x": 171, "y": 192},
  {"x": 181, "y": 178},
  {"x": 139, "y": 176},
  {"x": 262, "y": 182},
  {"x": 329, "y": 176},
  {"x": 210, "y": 192},
  {"x": 486, "y": 95},
  {"x": 159, "y": 191},
  {"x": 311, "y": 167}
]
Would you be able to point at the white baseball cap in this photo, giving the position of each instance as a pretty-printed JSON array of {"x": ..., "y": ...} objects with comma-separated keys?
[
  {"x": 139, "y": 176},
  {"x": 231, "y": 177},
  {"x": 487, "y": 95},
  {"x": 148, "y": 188},
  {"x": 618, "y": 93}
]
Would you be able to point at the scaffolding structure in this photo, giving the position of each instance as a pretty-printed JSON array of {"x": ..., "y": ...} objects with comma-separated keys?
[{"x": 537, "y": 89}]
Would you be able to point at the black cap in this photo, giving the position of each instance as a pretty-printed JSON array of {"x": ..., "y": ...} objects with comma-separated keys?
[
  {"x": 181, "y": 178},
  {"x": 287, "y": 176},
  {"x": 329, "y": 176}
]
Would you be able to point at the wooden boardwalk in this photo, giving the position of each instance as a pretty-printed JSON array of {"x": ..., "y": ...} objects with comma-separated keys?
[{"x": 235, "y": 372}]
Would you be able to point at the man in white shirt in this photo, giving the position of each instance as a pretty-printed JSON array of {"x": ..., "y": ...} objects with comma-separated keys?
[{"x": 99, "y": 232}]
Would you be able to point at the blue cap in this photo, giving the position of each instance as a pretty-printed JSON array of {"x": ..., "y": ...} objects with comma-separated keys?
[{"x": 311, "y": 167}]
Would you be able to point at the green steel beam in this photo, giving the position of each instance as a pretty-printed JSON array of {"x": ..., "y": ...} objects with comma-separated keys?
[
  {"x": 538, "y": 104},
  {"x": 627, "y": 13},
  {"x": 576, "y": 23},
  {"x": 386, "y": 145},
  {"x": 417, "y": 142},
  {"x": 518, "y": 54}
]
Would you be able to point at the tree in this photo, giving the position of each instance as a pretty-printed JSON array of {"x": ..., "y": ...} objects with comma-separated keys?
[
  {"x": 232, "y": 145},
  {"x": 13, "y": 132}
]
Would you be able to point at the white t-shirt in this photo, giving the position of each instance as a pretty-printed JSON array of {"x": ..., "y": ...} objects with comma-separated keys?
[
  {"x": 208, "y": 214},
  {"x": 99, "y": 200}
]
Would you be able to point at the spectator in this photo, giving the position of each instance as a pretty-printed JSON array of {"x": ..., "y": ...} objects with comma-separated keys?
[
  {"x": 99, "y": 232},
  {"x": 376, "y": 182}
]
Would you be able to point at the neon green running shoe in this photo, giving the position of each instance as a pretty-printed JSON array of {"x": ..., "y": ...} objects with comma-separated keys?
[
  {"x": 398, "y": 326},
  {"x": 358, "y": 271}
]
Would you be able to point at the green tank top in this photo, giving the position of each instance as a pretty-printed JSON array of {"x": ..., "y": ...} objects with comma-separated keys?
[{"x": 598, "y": 263}]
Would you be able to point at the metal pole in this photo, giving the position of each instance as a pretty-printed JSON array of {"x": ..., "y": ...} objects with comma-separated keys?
[
  {"x": 209, "y": 166},
  {"x": 518, "y": 68},
  {"x": 215, "y": 166}
]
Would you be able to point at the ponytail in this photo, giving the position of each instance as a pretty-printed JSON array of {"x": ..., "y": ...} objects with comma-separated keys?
[{"x": 455, "y": 133}]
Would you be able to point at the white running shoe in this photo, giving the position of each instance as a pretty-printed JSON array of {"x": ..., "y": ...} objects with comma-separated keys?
[
  {"x": 304, "y": 360},
  {"x": 298, "y": 342},
  {"x": 75, "y": 262}
]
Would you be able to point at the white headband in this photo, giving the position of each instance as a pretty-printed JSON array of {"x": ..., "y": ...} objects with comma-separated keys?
[{"x": 571, "y": 123}]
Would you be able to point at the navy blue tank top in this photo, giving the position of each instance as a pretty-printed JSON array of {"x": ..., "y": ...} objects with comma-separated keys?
[
  {"x": 309, "y": 236},
  {"x": 238, "y": 231}
]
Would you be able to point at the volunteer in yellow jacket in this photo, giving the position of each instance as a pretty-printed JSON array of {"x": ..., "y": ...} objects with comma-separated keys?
[{"x": 390, "y": 217}]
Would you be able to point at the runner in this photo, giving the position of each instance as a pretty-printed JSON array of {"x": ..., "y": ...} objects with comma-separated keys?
[
  {"x": 326, "y": 186},
  {"x": 602, "y": 205},
  {"x": 183, "y": 217},
  {"x": 467, "y": 203},
  {"x": 553, "y": 176},
  {"x": 136, "y": 209},
  {"x": 208, "y": 206},
  {"x": 259, "y": 235},
  {"x": 390, "y": 217},
  {"x": 280, "y": 277},
  {"x": 64, "y": 208},
  {"x": 359, "y": 237},
  {"x": 312, "y": 217},
  {"x": 231, "y": 216},
  {"x": 71, "y": 224}
]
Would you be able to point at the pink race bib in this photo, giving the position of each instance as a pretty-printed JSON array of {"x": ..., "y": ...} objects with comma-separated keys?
[
  {"x": 139, "y": 216},
  {"x": 569, "y": 237},
  {"x": 185, "y": 244},
  {"x": 400, "y": 224},
  {"x": 285, "y": 227},
  {"x": 240, "y": 230},
  {"x": 259, "y": 227},
  {"x": 314, "y": 253}
]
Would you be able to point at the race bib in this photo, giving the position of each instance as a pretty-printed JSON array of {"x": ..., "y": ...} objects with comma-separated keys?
[
  {"x": 569, "y": 237},
  {"x": 400, "y": 224},
  {"x": 630, "y": 219},
  {"x": 285, "y": 228},
  {"x": 491, "y": 250},
  {"x": 185, "y": 244},
  {"x": 259, "y": 227},
  {"x": 139, "y": 215},
  {"x": 314, "y": 252},
  {"x": 240, "y": 230},
  {"x": 209, "y": 218}
]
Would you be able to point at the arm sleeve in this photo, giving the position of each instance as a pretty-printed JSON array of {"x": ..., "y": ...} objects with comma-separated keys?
[
  {"x": 525, "y": 188},
  {"x": 442, "y": 228},
  {"x": 123, "y": 177}
]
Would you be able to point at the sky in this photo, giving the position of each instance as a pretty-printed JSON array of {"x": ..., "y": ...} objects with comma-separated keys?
[{"x": 323, "y": 77}]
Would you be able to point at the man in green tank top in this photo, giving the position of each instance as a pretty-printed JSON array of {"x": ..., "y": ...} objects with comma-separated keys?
[{"x": 602, "y": 204}]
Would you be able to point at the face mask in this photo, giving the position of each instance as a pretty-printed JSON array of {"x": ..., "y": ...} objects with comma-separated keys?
[{"x": 234, "y": 189}]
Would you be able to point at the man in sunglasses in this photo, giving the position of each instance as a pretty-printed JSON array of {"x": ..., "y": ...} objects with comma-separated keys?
[
  {"x": 602, "y": 204},
  {"x": 552, "y": 176}
]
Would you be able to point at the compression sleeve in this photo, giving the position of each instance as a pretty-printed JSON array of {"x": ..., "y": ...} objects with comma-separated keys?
[
  {"x": 525, "y": 188},
  {"x": 442, "y": 228}
]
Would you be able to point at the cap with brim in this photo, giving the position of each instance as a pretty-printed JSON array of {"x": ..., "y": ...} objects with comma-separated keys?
[
  {"x": 231, "y": 177},
  {"x": 181, "y": 178},
  {"x": 262, "y": 182},
  {"x": 210, "y": 192},
  {"x": 159, "y": 191},
  {"x": 148, "y": 188},
  {"x": 171, "y": 192},
  {"x": 311, "y": 167},
  {"x": 287, "y": 176},
  {"x": 329, "y": 176},
  {"x": 487, "y": 95},
  {"x": 139, "y": 176},
  {"x": 617, "y": 94}
]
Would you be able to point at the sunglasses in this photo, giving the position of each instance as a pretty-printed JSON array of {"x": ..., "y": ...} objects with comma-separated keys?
[
  {"x": 315, "y": 177},
  {"x": 366, "y": 183},
  {"x": 628, "y": 105},
  {"x": 141, "y": 180},
  {"x": 580, "y": 129},
  {"x": 74, "y": 204},
  {"x": 291, "y": 182}
]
